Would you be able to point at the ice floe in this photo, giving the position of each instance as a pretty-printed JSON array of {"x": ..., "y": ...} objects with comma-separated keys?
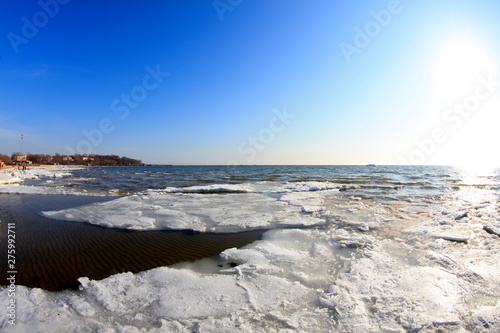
[{"x": 212, "y": 212}]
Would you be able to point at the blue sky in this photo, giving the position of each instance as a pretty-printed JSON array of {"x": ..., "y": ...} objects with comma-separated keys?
[{"x": 253, "y": 82}]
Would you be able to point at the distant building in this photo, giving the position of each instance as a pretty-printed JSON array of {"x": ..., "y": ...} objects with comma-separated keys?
[
  {"x": 20, "y": 158},
  {"x": 68, "y": 159}
]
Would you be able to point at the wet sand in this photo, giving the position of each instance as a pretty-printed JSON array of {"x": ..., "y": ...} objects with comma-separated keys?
[{"x": 53, "y": 254}]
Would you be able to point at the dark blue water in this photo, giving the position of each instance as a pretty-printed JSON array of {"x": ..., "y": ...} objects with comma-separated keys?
[{"x": 388, "y": 181}]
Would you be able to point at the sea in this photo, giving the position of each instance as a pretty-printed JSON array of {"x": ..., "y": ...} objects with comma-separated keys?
[
  {"x": 256, "y": 248},
  {"x": 380, "y": 181}
]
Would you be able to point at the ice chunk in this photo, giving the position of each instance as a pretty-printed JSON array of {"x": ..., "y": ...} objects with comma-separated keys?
[
  {"x": 453, "y": 237},
  {"x": 100, "y": 292},
  {"x": 312, "y": 209},
  {"x": 485, "y": 319},
  {"x": 378, "y": 292},
  {"x": 438, "y": 230},
  {"x": 493, "y": 228}
]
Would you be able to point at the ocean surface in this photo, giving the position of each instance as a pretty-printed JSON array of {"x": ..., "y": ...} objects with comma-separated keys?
[
  {"x": 316, "y": 248},
  {"x": 381, "y": 181}
]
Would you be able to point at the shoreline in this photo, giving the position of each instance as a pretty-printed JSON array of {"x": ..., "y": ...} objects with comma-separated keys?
[
  {"x": 12, "y": 174},
  {"x": 53, "y": 255},
  {"x": 386, "y": 259},
  {"x": 7, "y": 168}
]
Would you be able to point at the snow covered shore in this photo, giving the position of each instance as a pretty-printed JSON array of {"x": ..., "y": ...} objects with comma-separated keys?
[
  {"x": 375, "y": 266},
  {"x": 334, "y": 260},
  {"x": 12, "y": 180}
]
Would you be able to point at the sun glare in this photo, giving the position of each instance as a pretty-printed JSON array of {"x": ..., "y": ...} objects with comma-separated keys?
[{"x": 458, "y": 64}]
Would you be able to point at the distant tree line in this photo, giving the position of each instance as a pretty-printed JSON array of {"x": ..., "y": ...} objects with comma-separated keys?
[
  {"x": 6, "y": 159},
  {"x": 97, "y": 160}
]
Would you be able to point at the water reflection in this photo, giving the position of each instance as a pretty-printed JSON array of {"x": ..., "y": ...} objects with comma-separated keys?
[{"x": 478, "y": 184}]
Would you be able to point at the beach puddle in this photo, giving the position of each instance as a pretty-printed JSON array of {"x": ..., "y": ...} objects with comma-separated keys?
[{"x": 53, "y": 255}]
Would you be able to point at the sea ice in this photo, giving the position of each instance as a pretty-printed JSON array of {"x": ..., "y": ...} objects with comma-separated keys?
[
  {"x": 276, "y": 288},
  {"x": 212, "y": 212},
  {"x": 11, "y": 181},
  {"x": 332, "y": 277}
]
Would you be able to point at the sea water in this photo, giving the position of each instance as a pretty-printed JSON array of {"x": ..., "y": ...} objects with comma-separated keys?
[{"x": 349, "y": 248}]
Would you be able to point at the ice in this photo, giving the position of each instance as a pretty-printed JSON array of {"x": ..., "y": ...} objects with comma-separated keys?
[
  {"x": 212, "y": 212},
  {"x": 275, "y": 287},
  {"x": 461, "y": 215},
  {"x": 292, "y": 279},
  {"x": 438, "y": 230},
  {"x": 304, "y": 187},
  {"x": 493, "y": 228},
  {"x": 330, "y": 263},
  {"x": 312, "y": 209},
  {"x": 9, "y": 178},
  {"x": 378, "y": 294},
  {"x": 223, "y": 188},
  {"x": 38, "y": 172},
  {"x": 12, "y": 181},
  {"x": 486, "y": 319}
]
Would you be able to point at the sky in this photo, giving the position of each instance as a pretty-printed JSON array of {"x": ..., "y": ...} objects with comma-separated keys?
[{"x": 253, "y": 81}]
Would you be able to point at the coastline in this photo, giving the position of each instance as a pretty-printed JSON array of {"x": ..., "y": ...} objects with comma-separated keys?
[
  {"x": 11, "y": 174},
  {"x": 386, "y": 258},
  {"x": 10, "y": 167},
  {"x": 53, "y": 255}
]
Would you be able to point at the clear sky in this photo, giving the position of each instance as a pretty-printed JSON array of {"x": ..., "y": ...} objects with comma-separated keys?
[{"x": 253, "y": 81}]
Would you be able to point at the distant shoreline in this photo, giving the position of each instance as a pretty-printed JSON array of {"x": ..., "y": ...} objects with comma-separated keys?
[
  {"x": 158, "y": 165},
  {"x": 29, "y": 166}
]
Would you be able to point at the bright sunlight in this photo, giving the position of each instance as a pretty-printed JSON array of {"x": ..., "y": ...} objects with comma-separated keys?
[{"x": 460, "y": 64}]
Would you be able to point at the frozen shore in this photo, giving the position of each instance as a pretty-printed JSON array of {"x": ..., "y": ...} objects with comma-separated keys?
[
  {"x": 293, "y": 280},
  {"x": 334, "y": 261},
  {"x": 13, "y": 180}
]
